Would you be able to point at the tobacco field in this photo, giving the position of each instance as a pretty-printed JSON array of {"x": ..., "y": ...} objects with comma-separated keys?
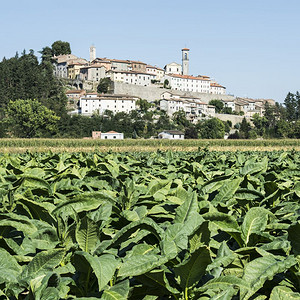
[{"x": 161, "y": 225}]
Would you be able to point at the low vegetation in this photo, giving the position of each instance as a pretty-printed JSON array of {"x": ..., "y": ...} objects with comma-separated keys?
[{"x": 165, "y": 225}]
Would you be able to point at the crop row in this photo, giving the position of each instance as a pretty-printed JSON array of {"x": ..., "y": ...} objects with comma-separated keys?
[
  {"x": 164, "y": 225},
  {"x": 77, "y": 143}
]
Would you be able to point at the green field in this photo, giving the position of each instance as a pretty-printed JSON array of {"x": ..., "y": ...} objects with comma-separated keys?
[
  {"x": 73, "y": 145},
  {"x": 161, "y": 225}
]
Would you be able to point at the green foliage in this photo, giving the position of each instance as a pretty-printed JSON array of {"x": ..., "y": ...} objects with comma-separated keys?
[
  {"x": 29, "y": 118},
  {"x": 104, "y": 85},
  {"x": 218, "y": 104},
  {"x": 211, "y": 129},
  {"x": 163, "y": 225},
  {"x": 60, "y": 47},
  {"x": 25, "y": 78}
]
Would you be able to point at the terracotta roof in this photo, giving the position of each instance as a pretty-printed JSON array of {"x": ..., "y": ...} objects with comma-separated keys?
[
  {"x": 185, "y": 49},
  {"x": 137, "y": 62},
  {"x": 111, "y": 132},
  {"x": 214, "y": 84},
  {"x": 131, "y": 72},
  {"x": 189, "y": 77}
]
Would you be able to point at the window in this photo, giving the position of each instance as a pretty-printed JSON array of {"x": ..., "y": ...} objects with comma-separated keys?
[
  {"x": 106, "y": 137},
  {"x": 114, "y": 137}
]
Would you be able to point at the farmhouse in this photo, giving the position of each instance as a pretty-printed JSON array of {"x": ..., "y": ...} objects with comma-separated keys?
[{"x": 171, "y": 135}]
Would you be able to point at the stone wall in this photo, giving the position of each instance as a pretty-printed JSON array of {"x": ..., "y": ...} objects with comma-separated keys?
[
  {"x": 233, "y": 118},
  {"x": 154, "y": 92}
]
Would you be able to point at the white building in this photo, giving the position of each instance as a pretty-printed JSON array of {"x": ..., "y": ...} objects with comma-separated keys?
[
  {"x": 192, "y": 106},
  {"x": 110, "y": 135},
  {"x": 173, "y": 68},
  {"x": 189, "y": 83},
  {"x": 131, "y": 77},
  {"x": 216, "y": 88},
  {"x": 157, "y": 72},
  {"x": 171, "y": 135},
  {"x": 94, "y": 103}
]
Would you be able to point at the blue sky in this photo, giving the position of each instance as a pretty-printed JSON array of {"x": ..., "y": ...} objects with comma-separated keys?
[{"x": 251, "y": 47}]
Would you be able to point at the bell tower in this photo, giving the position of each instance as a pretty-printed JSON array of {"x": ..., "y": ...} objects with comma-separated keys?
[
  {"x": 92, "y": 53},
  {"x": 185, "y": 61}
]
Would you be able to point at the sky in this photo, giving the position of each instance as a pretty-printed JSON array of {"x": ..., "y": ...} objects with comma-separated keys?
[{"x": 250, "y": 47}]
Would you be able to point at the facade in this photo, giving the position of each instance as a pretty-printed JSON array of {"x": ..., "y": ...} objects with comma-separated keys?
[
  {"x": 173, "y": 68},
  {"x": 189, "y": 83},
  {"x": 157, "y": 72},
  {"x": 93, "y": 72},
  {"x": 138, "y": 66},
  {"x": 74, "y": 69},
  {"x": 110, "y": 135},
  {"x": 216, "y": 88},
  {"x": 185, "y": 61},
  {"x": 120, "y": 65},
  {"x": 131, "y": 77},
  {"x": 102, "y": 62},
  {"x": 193, "y": 107},
  {"x": 63, "y": 61},
  {"x": 171, "y": 135},
  {"x": 94, "y": 103}
]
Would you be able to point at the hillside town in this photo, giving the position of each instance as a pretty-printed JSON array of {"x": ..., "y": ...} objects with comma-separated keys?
[{"x": 171, "y": 88}]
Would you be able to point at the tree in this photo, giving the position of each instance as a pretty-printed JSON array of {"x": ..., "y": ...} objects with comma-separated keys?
[
  {"x": 47, "y": 54},
  {"x": 179, "y": 118},
  {"x": 244, "y": 129},
  {"x": 143, "y": 105},
  {"x": 211, "y": 129},
  {"x": 191, "y": 132},
  {"x": 290, "y": 103},
  {"x": 104, "y": 85},
  {"x": 227, "y": 110},
  {"x": 166, "y": 84},
  {"x": 29, "y": 118},
  {"x": 23, "y": 77},
  {"x": 218, "y": 104},
  {"x": 60, "y": 48}
]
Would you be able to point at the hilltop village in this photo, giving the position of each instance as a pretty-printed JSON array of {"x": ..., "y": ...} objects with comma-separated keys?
[{"x": 171, "y": 88}]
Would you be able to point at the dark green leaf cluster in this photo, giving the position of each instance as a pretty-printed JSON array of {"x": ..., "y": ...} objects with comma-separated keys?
[
  {"x": 165, "y": 225},
  {"x": 23, "y": 77}
]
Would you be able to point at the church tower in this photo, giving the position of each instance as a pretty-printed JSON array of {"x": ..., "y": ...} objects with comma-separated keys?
[
  {"x": 185, "y": 61},
  {"x": 92, "y": 53}
]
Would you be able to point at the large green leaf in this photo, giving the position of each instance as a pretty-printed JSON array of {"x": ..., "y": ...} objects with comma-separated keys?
[
  {"x": 140, "y": 264},
  {"x": 261, "y": 269},
  {"x": 9, "y": 268},
  {"x": 255, "y": 221},
  {"x": 119, "y": 291},
  {"x": 39, "y": 211},
  {"x": 223, "y": 283},
  {"x": 87, "y": 234},
  {"x": 227, "y": 191},
  {"x": 104, "y": 266},
  {"x": 283, "y": 293},
  {"x": 19, "y": 222},
  {"x": 42, "y": 263},
  {"x": 84, "y": 202},
  {"x": 252, "y": 167},
  {"x": 190, "y": 271}
]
